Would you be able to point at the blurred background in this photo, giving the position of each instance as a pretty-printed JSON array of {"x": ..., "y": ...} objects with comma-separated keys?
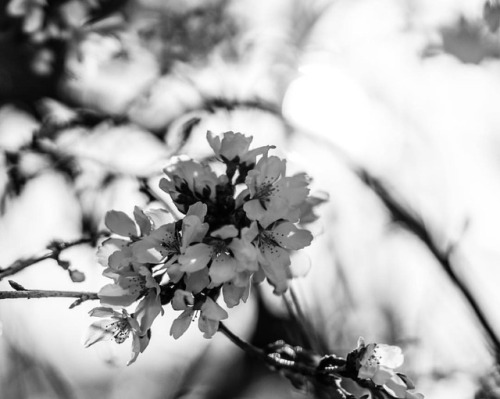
[{"x": 97, "y": 95}]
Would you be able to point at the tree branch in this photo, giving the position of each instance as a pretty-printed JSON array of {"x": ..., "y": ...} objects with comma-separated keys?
[
  {"x": 32, "y": 294},
  {"x": 54, "y": 251}
]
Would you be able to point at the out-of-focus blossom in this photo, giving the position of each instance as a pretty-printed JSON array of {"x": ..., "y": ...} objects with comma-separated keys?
[{"x": 377, "y": 362}]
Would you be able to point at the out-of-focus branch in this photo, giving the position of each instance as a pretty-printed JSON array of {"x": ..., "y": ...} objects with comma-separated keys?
[
  {"x": 404, "y": 215},
  {"x": 411, "y": 221},
  {"x": 54, "y": 251}
]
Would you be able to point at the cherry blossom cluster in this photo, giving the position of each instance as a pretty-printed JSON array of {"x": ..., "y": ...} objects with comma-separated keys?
[{"x": 238, "y": 229}]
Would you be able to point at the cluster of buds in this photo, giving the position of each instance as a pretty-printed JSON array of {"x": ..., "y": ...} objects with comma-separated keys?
[{"x": 238, "y": 229}]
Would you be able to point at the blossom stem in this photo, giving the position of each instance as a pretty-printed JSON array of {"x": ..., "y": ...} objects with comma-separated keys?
[
  {"x": 278, "y": 363},
  {"x": 54, "y": 251},
  {"x": 274, "y": 361}
]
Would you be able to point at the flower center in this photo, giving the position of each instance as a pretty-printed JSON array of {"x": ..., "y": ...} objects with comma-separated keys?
[
  {"x": 265, "y": 191},
  {"x": 120, "y": 331}
]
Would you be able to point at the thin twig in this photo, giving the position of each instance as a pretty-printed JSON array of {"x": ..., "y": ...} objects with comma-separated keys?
[
  {"x": 35, "y": 294},
  {"x": 414, "y": 224},
  {"x": 273, "y": 361},
  {"x": 54, "y": 251}
]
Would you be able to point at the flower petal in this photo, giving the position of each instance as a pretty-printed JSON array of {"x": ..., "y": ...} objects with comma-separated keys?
[
  {"x": 208, "y": 327},
  {"x": 227, "y": 231},
  {"x": 182, "y": 300},
  {"x": 223, "y": 269},
  {"x": 142, "y": 221},
  {"x": 288, "y": 236},
  {"x": 212, "y": 310},
  {"x": 159, "y": 217},
  {"x": 115, "y": 295},
  {"x": 120, "y": 223},
  {"x": 254, "y": 210},
  {"x": 148, "y": 309},
  {"x": 100, "y": 330},
  {"x": 196, "y": 257},
  {"x": 102, "y": 311},
  {"x": 234, "y": 294},
  {"x": 197, "y": 281},
  {"x": 181, "y": 324},
  {"x": 199, "y": 209},
  {"x": 193, "y": 230},
  {"x": 390, "y": 356}
]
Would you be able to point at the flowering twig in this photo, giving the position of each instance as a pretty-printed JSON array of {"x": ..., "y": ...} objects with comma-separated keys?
[{"x": 54, "y": 251}]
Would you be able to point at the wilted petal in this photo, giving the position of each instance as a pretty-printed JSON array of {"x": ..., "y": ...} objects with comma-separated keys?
[{"x": 120, "y": 223}]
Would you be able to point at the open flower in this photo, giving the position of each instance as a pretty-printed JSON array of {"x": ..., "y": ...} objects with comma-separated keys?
[
  {"x": 129, "y": 285},
  {"x": 166, "y": 242},
  {"x": 274, "y": 196},
  {"x": 235, "y": 147},
  {"x": 377, "y": 362},
  {"x": 188, "y": 182},
  {"x": 222, "y": 263},
  {"x": 274, "y": 244},
  {"x": 118, "y": 327},
  {"x": 210, "y": 314}
]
